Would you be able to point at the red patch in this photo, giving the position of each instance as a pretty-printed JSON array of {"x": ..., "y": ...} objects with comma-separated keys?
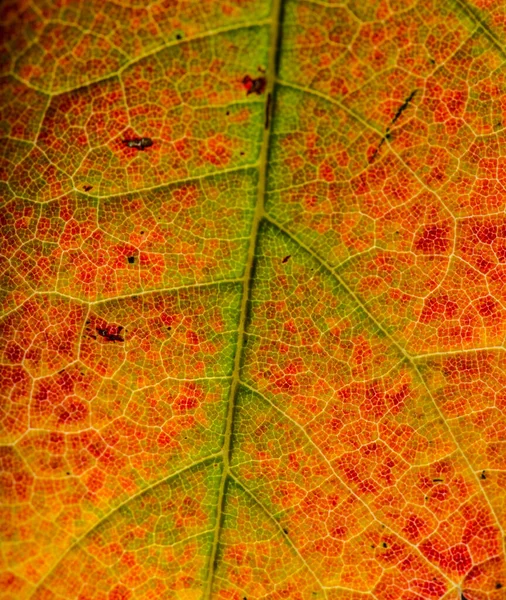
[
  {"x": 186, "y": 403},
  {"x": 487, "y": 307},
  {"x": 414, "y": 527},
  {"x": 72, "y": 411},
  {"x": 434, "y": 239},
  {"x": 460, "y": 560},
  {"x": 120, "y": 592}
]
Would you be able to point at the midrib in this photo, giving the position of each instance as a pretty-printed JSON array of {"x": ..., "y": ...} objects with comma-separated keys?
[{"x": 274, "y": 37}]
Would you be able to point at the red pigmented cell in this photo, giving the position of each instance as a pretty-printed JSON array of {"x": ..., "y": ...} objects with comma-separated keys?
[{"x": 254, "y": 86}]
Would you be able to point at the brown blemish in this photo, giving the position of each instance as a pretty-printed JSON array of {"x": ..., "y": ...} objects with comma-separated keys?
[
  {"x": 254, "y": 86},
  {"x": 139, "y": 143},
  {"x": 111, "y": 334}
]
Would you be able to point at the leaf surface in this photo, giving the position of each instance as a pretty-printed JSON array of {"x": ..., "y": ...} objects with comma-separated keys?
[{"x": 253, "y": 262}]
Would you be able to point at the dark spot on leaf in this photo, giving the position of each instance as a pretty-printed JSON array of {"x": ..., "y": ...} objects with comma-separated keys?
[
  {"x": 403, "y": 106},
  {"x": 139, "y": 143},
  {"x": 142, "y": 232},
  {"x": 169, "y": 328},
  {"x": 432, "y": 61},
  {"x": 385, "y": 545},
  {"x": 178, "y": 36},
  {"x": 286, "y": 259},
  {"x": 87, "y": 188},
  {"x": 131, "y": 259},
  {"x": 498, "y": 586},
  {"x": 376, "y": 150},
  {"x": 437, "y": 480},
  {"x": 242, "y": 153},
  {"x": 483, "y": 476},
  {"x": 68, "y": 473},
  {"x": 111, "y": 334},
  {"x": 254, "y": 86},
  {"x": 285, "y": 531},
  {"x": 228, "y": 112}
]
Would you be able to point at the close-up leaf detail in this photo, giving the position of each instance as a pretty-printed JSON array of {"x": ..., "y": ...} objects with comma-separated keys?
[{"x": 253, "y": 294}]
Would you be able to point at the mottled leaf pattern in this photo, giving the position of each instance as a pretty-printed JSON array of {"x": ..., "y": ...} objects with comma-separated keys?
[{"x": 253, "y": 283}]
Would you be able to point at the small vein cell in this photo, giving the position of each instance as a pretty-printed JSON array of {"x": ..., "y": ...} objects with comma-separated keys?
[{"x": 139, "y": 143}]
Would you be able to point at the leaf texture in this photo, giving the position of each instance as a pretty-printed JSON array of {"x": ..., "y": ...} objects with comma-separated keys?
[{"x": 253, "y": 304}]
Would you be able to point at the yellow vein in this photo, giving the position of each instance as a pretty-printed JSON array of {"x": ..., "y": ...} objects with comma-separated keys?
[
  {"x": 271, "y": 517},
  {"x": 174, "y": 182},
  {"x": 189, "y": 286},
  {"x": 456, "y": 352},
  {"x": 407, "y": 357},
  {"x": 338, "y": 477}
]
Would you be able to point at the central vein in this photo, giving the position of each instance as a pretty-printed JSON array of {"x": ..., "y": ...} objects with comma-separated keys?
[{"x": 275, "y": 25}]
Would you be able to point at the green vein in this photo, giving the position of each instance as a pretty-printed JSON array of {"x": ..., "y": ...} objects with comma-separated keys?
[
  {"x": 167, "y": 290},
  {"x": 472, "y": 13},
  {"x": 79, "y": 540},
  {"x": 174, "y": 289},
  {"x": 273, "y": 519},
  {"x": 134, "y": 60},
  {"x": 173, "y": 182},
  {"x": 275, "y": 26}
]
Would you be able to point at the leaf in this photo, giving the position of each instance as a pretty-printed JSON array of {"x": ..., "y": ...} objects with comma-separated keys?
[{"x": 253, "y": 258}]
